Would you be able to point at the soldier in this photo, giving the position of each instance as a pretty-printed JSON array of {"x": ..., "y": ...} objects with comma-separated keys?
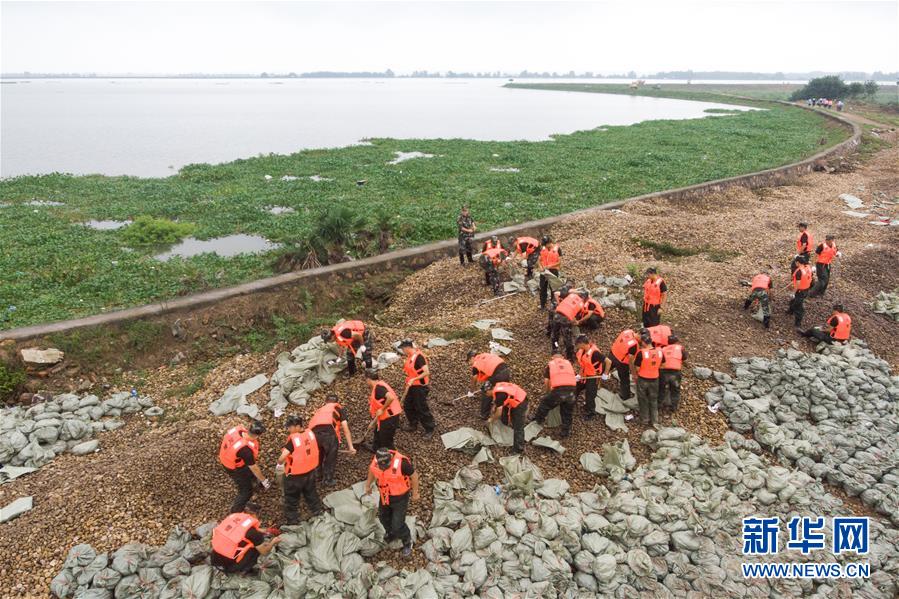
[
  {"x": 354, "y": 340},
  {"x": 564, "y": 320},
  {"x": 761, "y": 293},
  {"x": 238, "y": 453},
  {"x": 384, "y": 406},
  {"x": 491, "y": 260},
  {"x": 825, "y": 254},
  {"x": 395, "y": 477},
  {"x": 645, "y": 367},
  {"x": 486, "y": 370},
  {"x": 561, "y": 384},
  {"x": 550, "y": 262},
  {"x": 592, "y": 366},
  {"x": 670, "y": 376},
  {"x": 327, "y": 424},
  {"x": 418, "y": 377},
  {"x": 525, "y": 248},
  {"x": 801, "y": 283},
  {"x": 300, "y": 459},
  {"x": 467, "y": 229},
  {"x": 510, "y": 402}
]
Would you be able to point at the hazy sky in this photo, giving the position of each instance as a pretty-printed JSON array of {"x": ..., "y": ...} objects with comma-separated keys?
[{"x": 250, "y": 37}]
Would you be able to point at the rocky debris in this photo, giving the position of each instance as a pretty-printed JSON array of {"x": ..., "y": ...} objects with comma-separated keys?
[
  {"x": 831, "y": 414},
  {"x": 670, "y": 528},
  {"x": 852, "y": 202},
  {"x": 42, "y": 358},
  {"x": 33, "y": 436},
  {"x": 619, "y": 298},
  {"x": 887, "y": 304},
  {"x": 16, "y": 508},
  {"x": 8, "y": 473}
]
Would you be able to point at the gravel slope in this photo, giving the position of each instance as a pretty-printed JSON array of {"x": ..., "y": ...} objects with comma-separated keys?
[{"x": 150, "y": 476}]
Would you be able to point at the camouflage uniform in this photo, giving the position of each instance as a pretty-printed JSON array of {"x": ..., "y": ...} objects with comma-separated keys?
[{"x": 465, "y": 239}]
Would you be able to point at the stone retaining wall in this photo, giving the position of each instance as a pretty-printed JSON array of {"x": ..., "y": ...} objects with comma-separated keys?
[{"x": 420, "y": 256}]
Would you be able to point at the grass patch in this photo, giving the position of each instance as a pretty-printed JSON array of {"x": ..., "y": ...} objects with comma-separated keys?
[
  {"x": 284, "y": 330},
  {"x": 662, "y": 250},
  {"x": 61, "y": 270},
  {"x": 870, "y": 145},
  {"x": 147, "y": 231},
  {"x": 722, "y": 111}
]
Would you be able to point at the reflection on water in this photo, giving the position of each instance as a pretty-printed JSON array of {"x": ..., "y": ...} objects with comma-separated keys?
[
  {"x": 144, "y": 126},
  {"x": 106, "y": 225},
  {"x": 281, "y": 210},
  {"x": 230, "y": 245},
  {"x": 43, "y": 203}
]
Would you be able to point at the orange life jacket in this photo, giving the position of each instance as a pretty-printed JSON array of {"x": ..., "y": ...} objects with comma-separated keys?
[
  {"x": 591, "y": 306},
  {"x": 304, "y": 457},
  {"x": 514, "y": 394},
  {"x": 585, "y": 360},
  {"x": 649, "y": 366},
  {"x": 761, "y": 281},
  {"x": 374, "y": 405},
  {"x": 496, "y": 255},
  {"x": 804, "y": 248},
  {"x": 530, "y": 248},
  {"x": 674, "y": 356},
  {"x": 570, "y": 306},
  {"x": 356, "y": 326},
  {"x": 550, "y": 258},
  {"x": 802, "y": 277},
  {"x": 660, "y": 334},
  {"x": 229, "y": 538},
  {"x": 411, "y": 372},
  {"x": 561, "y": 373},
  {"x": 623, "y": 344},
  {"x": 652, "y": 292},
  {"x": 391, "y": 481},
  {"x": 843, "y": 329},
  {"x": 327, "y": 415},
  {"x": 235, "y": 440},
  {"x": 489, "y": 245},
  {"x": 486, "y": 365},
  {"x": 828, "y": 253}
]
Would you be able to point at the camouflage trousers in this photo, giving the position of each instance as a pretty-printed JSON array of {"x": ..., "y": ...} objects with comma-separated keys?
[{"x": 764, "y": 301}]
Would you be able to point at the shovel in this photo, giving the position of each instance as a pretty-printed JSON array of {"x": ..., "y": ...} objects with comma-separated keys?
[
  {"x": 499, "y": 297},
  {"x": 452, "y": 402}
]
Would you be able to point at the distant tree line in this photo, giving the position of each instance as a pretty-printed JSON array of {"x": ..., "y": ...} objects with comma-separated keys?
[{"x": 834, "y": 88}]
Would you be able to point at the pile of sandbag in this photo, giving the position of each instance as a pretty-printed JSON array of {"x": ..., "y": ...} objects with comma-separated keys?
[
  {"x": 307, "y": 368},
  {"x": 832, "y": 414},
  {"x": 887, "y": 304},
  {"x": 670, "y": 528},
  {"x": 33, "y": 436}
]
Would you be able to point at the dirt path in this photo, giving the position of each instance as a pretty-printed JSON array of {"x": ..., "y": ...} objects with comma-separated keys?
[{"x": 150, "y": 476}]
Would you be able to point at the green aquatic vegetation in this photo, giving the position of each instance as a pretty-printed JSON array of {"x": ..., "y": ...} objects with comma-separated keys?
[
  {"x": 147, "y": 231},
  {"x": 53, "y": 268}
]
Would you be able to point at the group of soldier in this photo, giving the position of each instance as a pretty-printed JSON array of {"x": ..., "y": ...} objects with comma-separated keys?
[
  {"x": 651, "y": 356},
  {"x": 805, "y": 283}
]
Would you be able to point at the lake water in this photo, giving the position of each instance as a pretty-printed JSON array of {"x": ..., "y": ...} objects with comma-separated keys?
[{"x": 152, "y": 127}]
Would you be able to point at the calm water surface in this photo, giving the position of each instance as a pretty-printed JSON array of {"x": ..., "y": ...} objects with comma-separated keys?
[{"x": 152, "y": 127}]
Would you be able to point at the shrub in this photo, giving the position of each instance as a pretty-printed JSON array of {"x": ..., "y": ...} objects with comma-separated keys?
[
  {"x": 11, "y": 380},
  {"x": 148, "y": 231}
]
